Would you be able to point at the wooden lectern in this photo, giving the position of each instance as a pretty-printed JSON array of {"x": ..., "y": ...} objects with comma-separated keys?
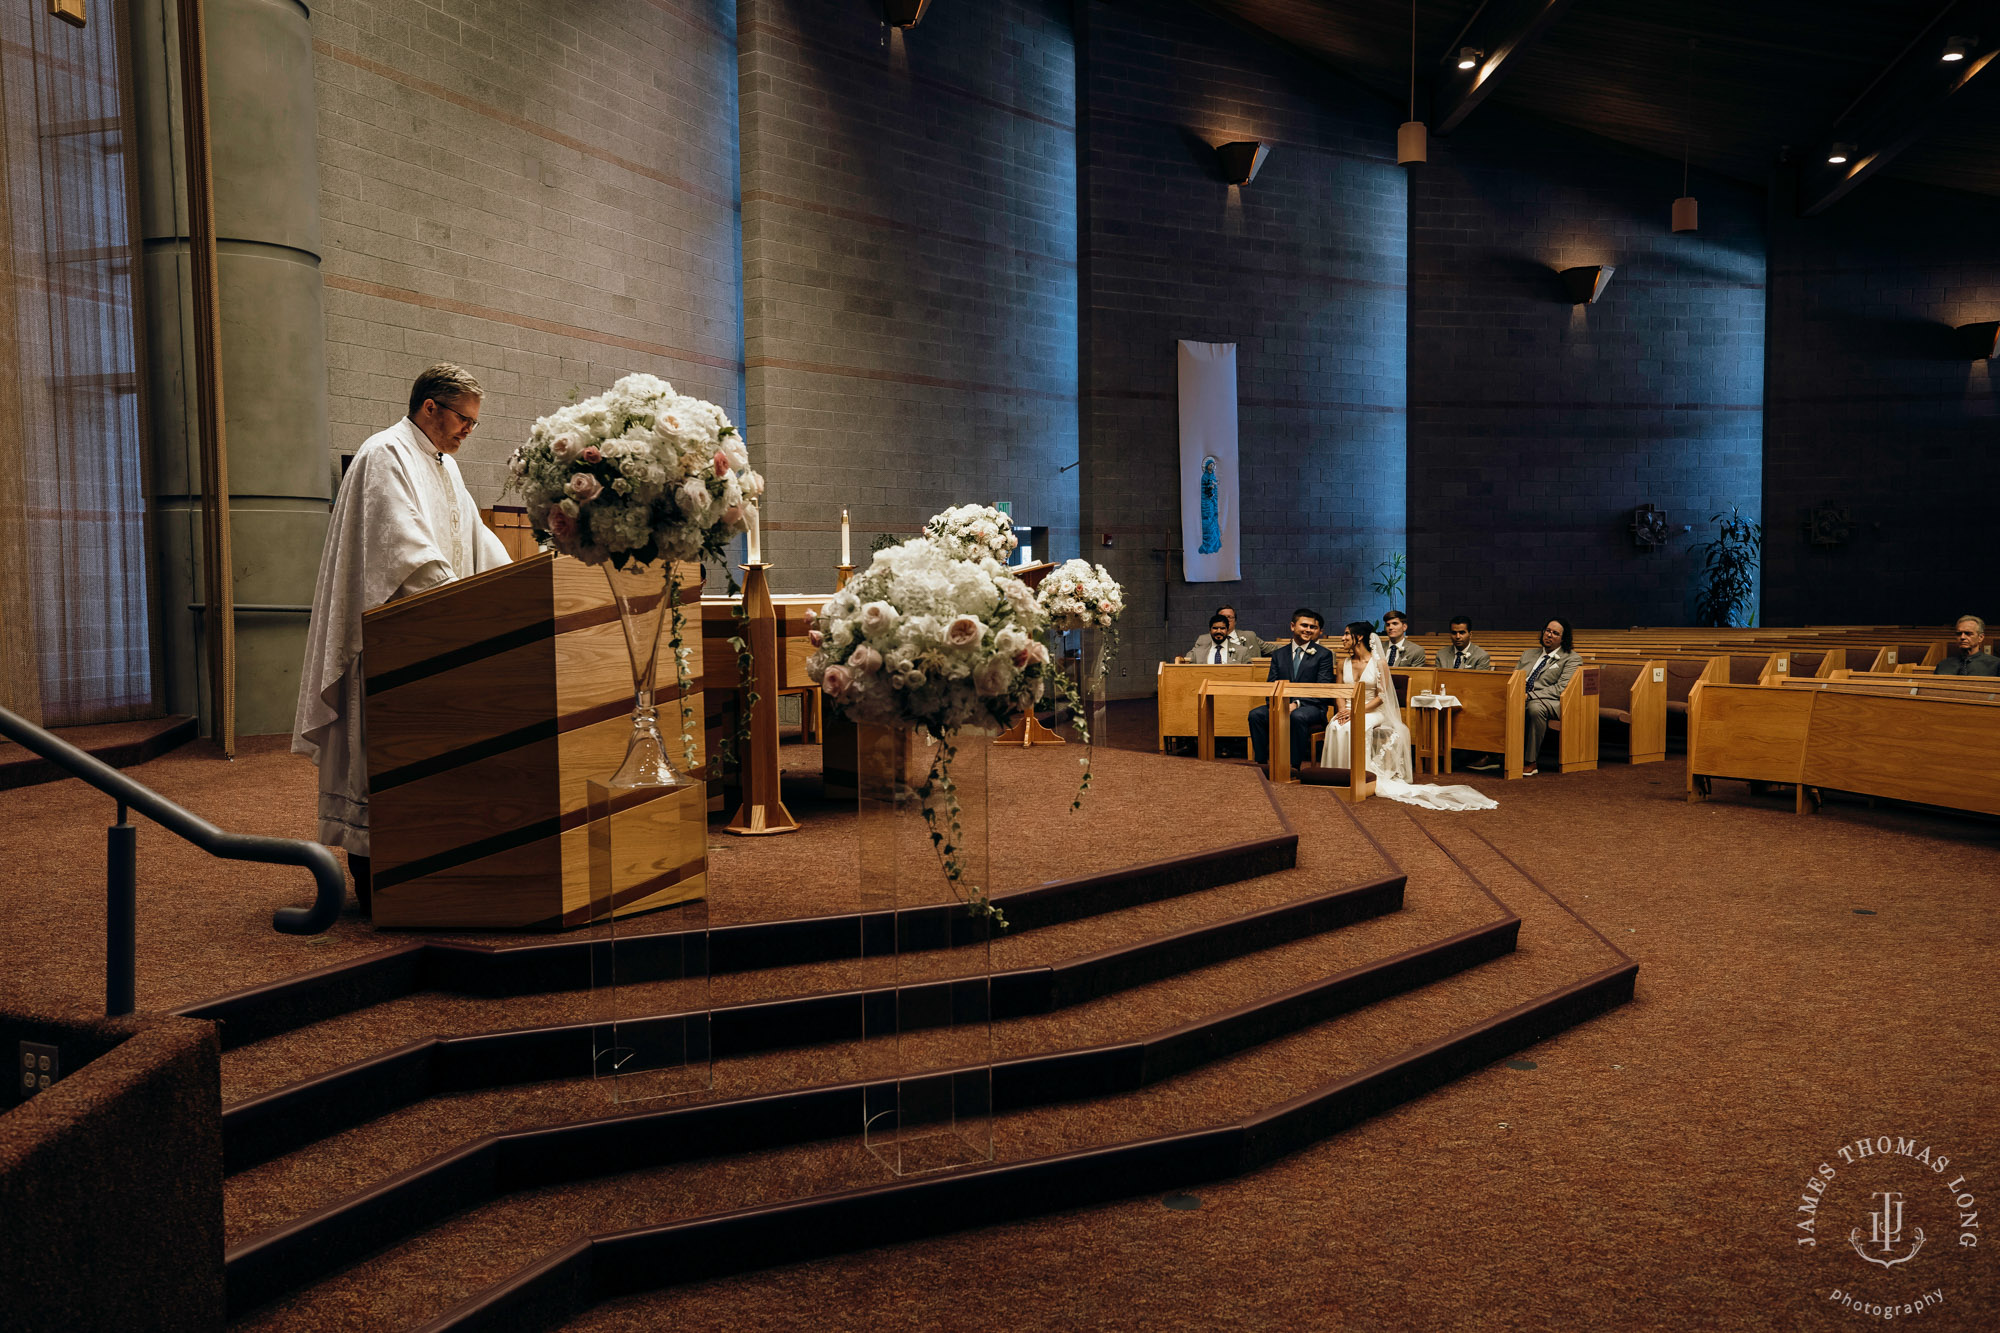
[{"x": 491, "y": 702}]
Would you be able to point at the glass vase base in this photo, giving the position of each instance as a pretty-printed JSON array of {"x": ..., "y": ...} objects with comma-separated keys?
[
  {"x": 925, "y": 957},
  {"x": 649, "y": 974}
]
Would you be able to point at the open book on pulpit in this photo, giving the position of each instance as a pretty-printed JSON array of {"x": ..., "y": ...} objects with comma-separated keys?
[{"x": 491, "y": 703}]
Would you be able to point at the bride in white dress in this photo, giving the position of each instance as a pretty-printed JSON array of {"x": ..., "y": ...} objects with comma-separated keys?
[{"x": 1389, "y": 759}]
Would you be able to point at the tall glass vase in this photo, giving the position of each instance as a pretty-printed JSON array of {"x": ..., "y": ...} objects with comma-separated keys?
[
  {"x": 1085, "y": 660},
  {"x": 647, "y": 832},
  {"x": 927, "y": 1038}
]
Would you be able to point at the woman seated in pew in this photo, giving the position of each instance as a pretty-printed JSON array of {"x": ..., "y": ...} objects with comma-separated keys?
[{"x": 1363, "y": 657}]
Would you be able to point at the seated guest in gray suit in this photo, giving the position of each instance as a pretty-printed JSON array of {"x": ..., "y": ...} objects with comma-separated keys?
[
  {"x": 1464, "y": 654},
  {"x": 1258, "y": 645},
  {"x": 1395, "y": 643},
  {"x": 1301, "y": 659},
  {"x": 1219, "y": 647},
  {"x": 1549, "y": 668},
  {"x": 1969, "y": 655}
]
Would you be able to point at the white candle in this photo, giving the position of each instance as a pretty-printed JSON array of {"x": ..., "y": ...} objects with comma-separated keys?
[
  {"x": 756, "y": 544},
  {"x": 846, "y": 550}
]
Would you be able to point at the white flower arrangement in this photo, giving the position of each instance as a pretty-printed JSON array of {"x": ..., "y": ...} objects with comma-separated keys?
[
  {"x": 973, "y": 532},
  {"x": 925, "y": 639},
  {"x": 635, "y": 475},
  {"x": 1081, "y": 595}
]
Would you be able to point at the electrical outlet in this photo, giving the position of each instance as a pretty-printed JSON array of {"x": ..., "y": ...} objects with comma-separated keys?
[{"x": 40, "y": 1065}]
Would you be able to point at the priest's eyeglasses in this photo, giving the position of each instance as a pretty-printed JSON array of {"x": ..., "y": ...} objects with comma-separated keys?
[{"x": 471, "y": 423}]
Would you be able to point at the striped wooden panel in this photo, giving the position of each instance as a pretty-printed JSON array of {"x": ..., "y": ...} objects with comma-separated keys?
[{"x": 485, "y": 727}]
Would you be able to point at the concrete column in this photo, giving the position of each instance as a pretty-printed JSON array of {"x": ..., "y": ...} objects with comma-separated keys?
[{"x": 261, "y": 110}]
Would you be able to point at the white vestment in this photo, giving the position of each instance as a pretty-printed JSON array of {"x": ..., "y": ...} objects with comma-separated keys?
[{"x": 403, "y": 522}]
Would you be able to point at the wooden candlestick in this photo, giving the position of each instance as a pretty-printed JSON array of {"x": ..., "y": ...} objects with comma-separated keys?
[{"x": 763, "y": 809}]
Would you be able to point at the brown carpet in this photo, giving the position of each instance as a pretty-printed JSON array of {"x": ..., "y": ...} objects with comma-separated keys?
[{"x": 1643, "y": 1174}]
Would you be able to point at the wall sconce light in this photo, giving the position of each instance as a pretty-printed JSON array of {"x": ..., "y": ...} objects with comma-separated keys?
[
  {"x": 1584, "y": 284},
  {"x": 1957, "y": 48},
  {"x": 1980, "y": 341},
  {"x": 1469, "y": 57},
  {"x": 69, "y": 11},
  {"x": 1687, "y": 214},
  {"x": 1240, "y": 162},
  {"x": 1839, "y": 153},
  {"x": 904, "y": 13}
]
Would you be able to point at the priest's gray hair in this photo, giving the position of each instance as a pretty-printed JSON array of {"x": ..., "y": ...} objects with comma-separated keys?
[
  {"x": 445, "y": 382},
  {"x": 1980, "y": 624}
]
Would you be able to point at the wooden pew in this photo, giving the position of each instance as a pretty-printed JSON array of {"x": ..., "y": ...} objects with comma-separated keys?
[
  {"x": 1632, "y": 700},
  {"x": 1179, "y": 684},
  {"x": 1492, "y": 715},
  {"x": 1874, "y": 739}
]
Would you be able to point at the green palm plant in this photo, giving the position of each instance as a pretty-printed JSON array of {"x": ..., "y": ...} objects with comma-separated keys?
[{"x": 1729, "y": 569}]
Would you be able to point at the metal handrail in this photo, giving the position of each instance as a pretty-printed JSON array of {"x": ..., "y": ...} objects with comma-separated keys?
[{"x": 121, "y": 856}]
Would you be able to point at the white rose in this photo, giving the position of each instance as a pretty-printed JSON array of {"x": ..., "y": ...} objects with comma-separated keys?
[{"x": 878, "y": 618}]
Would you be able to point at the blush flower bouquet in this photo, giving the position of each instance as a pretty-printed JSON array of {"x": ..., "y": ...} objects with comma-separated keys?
[
  {"x": 633, "y": 480},
  {"x": 634, "y": 475},
  {"x": 973, "y": 532},
  {"x": 1080, "y": 595},
  {"x": 927, "y": 639}
]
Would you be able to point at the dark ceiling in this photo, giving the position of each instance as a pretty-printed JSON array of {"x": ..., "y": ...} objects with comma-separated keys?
[{"x": 1762, "y": 75}]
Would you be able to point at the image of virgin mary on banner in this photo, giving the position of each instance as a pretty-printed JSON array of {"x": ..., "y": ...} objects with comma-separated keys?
[{"x": 1209, "y": 508}]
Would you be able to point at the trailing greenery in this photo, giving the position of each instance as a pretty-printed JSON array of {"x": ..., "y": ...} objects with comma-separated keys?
[{"x": 1729, "y": 569}]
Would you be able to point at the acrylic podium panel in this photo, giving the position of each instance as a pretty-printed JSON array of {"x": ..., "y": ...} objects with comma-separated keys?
[
  {"x": 491, "y": 703},
  {"x": 927, "y": 1037},
  {"x": 649, "y": 974}
]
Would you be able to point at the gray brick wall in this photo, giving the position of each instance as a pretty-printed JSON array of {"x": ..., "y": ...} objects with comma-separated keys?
[
  {"x": 1302, "y": 269},
  {"x": 1537, "y": 426},
  {"x": 1874, "y": 409},
  {"x": 909, "y": 266},
  {"x": 546, "y": 194}
]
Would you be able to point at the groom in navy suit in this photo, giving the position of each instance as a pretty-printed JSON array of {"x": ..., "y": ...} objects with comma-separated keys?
[{"x": 1301, "y": 659}]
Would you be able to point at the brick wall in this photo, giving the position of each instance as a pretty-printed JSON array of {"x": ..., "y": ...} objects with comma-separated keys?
[
  {"x": 1302, "y": 269},
  {"x": 546, "y": 194},
  {"x": 909, "y": 262},
  {"x": 1537, "y": 426},
  {"x": 1875, "y": 410}
]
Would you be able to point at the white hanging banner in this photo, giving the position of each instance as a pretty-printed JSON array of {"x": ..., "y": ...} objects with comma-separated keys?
[{"x": 1209, "y": 508}]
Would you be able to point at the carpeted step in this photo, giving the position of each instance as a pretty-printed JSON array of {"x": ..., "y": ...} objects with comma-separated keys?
[
  {"x": 1443, "y": 907},
  {"x": 1240, "y": 1084}
]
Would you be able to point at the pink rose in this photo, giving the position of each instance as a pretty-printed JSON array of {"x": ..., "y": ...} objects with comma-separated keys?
[
  {"x": 865, "y": 660},
  {"x": 583, "y": 488},
  {"x": 1034, "y": 652},
  {"x": 964, "y": 632},
  {"x": 565, "y": 446},
  {"x": 590, "y": 454},
  {"x": 733, "y": 516},
  {"x": 721, "y": 464},
  {"x": 561, "y": 526},
  {"x": 836, "y": 681},
  {"x": 816, "y": 637}
]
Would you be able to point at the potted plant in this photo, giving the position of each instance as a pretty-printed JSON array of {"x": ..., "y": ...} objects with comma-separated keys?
[{"x": 1729, "y": 570}]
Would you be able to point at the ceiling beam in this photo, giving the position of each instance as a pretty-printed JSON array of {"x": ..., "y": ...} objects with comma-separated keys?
[
  {"x": 1502, "y": 30},
  {"x": 1904, "y": 103}
]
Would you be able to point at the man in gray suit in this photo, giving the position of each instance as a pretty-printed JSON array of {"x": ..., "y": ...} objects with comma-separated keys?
[
  {"x": 1549, "y": 668},
  {"x": 1464, "y": 654},
  {"x": 1219, "y": 646},
  {"x": 1969, "y": 655},
  {"x": 1396, "y": 644}
]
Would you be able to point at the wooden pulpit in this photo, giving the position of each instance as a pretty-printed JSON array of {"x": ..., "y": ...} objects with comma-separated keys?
[{"x": 491, "y": 703}]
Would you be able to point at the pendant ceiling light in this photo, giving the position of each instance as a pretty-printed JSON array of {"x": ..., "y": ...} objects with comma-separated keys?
[
  {"x": 1687, "y": 213},
  {"x": 1412, "y": 140}
]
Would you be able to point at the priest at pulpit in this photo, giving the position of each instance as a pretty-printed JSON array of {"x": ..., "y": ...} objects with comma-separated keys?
[{"x": 402, "y": 522}]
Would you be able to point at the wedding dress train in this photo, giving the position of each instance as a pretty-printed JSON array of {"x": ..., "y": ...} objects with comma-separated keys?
[{"x": 1389, "y": 745}]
